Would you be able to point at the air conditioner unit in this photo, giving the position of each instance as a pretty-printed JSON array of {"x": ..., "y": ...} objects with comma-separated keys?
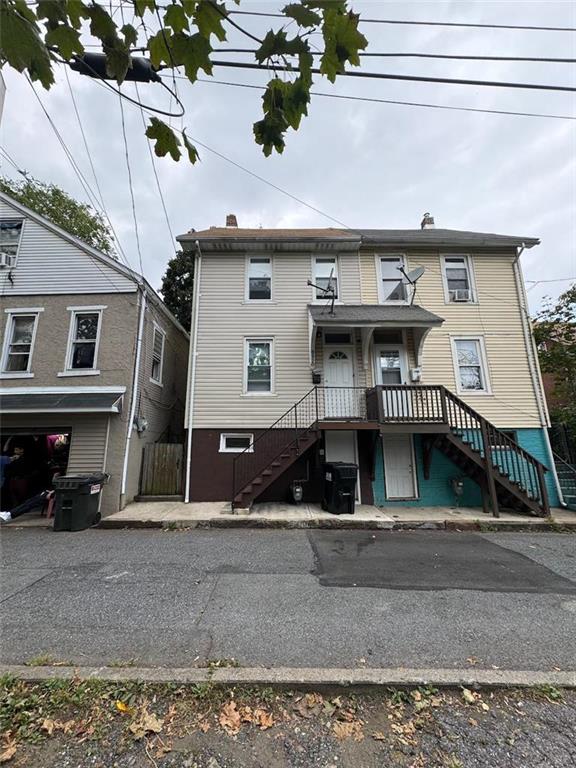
[
  {"x": 461, "y": 294},
  {"x": 7, "y": 260}
]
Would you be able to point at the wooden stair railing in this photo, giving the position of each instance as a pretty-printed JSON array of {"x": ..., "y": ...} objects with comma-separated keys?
[{"x": 567, "y": 480}]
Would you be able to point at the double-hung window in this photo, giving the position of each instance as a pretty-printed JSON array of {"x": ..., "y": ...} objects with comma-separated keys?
[
  {"x": 19, "y": 342},
  {"x": 10, "y": 231},
  {"x": 258, "y": 366},
  {"x": 470, "y": 365},
  {"x": 392, "y": 284},
  {"x": 325, "y": 278},
  {"x": 458, "y": 286},
  {"x": 158, "y": 341},
  {"x": 83, "y": 340},
  {"x": 259, "y": 283}
]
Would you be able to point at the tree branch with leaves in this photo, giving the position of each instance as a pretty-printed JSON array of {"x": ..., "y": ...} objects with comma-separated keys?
[{"x": 34, "y": 39}]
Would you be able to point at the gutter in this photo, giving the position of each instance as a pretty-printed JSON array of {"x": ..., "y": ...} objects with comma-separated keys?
[
  {"x": 535, "y": 368},
  {"x": 135, "y": 383},
  {"x": 192, "y": 367}
]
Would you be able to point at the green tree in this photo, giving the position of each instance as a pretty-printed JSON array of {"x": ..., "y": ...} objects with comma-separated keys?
[
  {"x": 555, "y": 334},
  {"x": 180, "y": 34},
  {"x": 177, "y": 287},
  {"x": 55, "y": 204}
]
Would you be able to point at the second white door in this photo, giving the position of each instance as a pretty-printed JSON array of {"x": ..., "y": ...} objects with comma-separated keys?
[{"x": 399, "y": 467}]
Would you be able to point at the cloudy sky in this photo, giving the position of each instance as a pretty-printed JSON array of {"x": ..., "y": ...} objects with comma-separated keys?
[{"x": 364, "y": 164}]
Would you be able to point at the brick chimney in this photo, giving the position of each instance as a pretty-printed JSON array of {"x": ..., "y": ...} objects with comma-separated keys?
[
  {"x": 427, "y": 221},
  {"x": 231, "y": 220}
]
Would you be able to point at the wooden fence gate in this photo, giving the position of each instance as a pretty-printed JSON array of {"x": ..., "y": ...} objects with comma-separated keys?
[{"x": 162, "y": 470}]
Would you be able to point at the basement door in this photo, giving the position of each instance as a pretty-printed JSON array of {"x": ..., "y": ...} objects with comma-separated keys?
[
  {"x": 341, "y": 445},
  {"x": 399, "y": 467}
]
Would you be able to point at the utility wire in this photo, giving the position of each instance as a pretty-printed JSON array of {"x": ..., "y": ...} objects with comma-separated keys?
[
  {"x": 394, "y": 101},
  {"x": 425, "y": 23},
  {"x": 411, "y": 78},
  {"x": 556, "y": 280},
  {"x": 7, "y": 157},
  {"x": 130, "y": 185}
]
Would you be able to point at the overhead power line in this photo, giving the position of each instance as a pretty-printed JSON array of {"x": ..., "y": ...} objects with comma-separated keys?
[
  {"x": 395, "y": 102},
  {"x": 411, "y": 22},
  {"x": 131, "y": 186},
  {"x": 411, "y": 78}
]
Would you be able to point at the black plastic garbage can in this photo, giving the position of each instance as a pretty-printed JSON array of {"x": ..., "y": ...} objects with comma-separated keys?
[
  {"x": 340, "y": 487},
  {"x": 76, "y": 501}
]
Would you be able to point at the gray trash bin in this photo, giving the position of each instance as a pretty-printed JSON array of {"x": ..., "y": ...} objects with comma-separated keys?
[{"x": 77, "y": 499}]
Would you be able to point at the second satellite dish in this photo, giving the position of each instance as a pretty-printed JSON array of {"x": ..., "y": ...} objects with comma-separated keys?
[{"x": 415, "y": 274}]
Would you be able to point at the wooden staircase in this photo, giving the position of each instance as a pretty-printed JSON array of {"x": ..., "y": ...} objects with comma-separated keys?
[{"x": 567, "y": 480}]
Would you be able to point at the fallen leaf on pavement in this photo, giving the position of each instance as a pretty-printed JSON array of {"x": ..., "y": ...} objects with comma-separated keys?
[
  {"x": 9, "y": 751},
  {"x": 204, "y": 726},
  {"x": 263, "y": 719},
  {"x": 124, "y": 708},
  {"x": 468, "y": 696},
  {"x": 148, "y": 722},
  {"x": 230, "y": 718},
  {"x": 48, "y": 726},
  {"x": 352, "y": 730},
  {"x": 309, "y": 705},
  {"x": 379, "y": 736},
  {"x": 484, "y": 706},
  {"x": 473, "y": 722}
]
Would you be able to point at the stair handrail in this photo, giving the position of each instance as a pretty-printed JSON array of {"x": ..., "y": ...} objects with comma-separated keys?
[{"x": 566, "y": 463}]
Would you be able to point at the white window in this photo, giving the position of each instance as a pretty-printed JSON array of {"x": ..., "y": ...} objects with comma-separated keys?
[
  {"x": 258, "y": 366},
  {"x": 325, "y": 278},
  {"x": 83, "y": 340},
  {"x": 236, "y": 442},
  {"x": 158, "y": 340},
  {"x": 10, "y": 231},
  {"x": 458, "y": 284},
  {"x": 470, "y": 365},
  {"x": 259, "y": 279},
  {"x": 19, "y": 342},
  {"x": 392, "y": 286}
]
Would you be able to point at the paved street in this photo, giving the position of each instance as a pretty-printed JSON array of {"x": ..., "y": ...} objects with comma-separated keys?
[{"x": 290, "y": 598}]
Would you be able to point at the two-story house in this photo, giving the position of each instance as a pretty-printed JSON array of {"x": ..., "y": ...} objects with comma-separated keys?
[
  {"x": 408, "y": 352},
  {"x": 92, "y": 366}
]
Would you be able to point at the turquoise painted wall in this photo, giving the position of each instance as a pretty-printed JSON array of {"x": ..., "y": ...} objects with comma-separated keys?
[{"x": 437, "y": 492}]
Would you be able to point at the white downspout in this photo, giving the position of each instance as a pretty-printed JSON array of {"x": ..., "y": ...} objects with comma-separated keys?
[
  {"x": 192, "y": 366},
  {"x": 135, "y": 383},
  {"x": 535, "y": 368}
]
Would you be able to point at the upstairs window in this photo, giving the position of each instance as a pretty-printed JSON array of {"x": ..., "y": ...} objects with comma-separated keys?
[
  {"x": 470, "y": 365},
  {"x": 158, "y": 340},
  {"x": 325, "y": 277},
  {"x": 84, "y": 339},
  {"x": 10, "y": 231},
  {"x": 258, "y": 366},
  {"x": 392, "y": 285},
  {"x": 457, "y": 279},
  {"x": 259, "y": 286},
  {"x": 19, "y": 342}
]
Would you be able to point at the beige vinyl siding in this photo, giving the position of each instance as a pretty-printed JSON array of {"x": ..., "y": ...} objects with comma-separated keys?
[
  {"x": 49, "y": 264},
  {"x": 226, "y": 320},
  {"x": 496, "y": 317},
  {"x": 88, "y": 445},
  {"x": 369, "y": 279}
]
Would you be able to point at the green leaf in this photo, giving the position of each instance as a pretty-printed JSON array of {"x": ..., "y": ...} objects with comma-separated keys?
[
  {"x": 269, "y": 133},
  {"x": 342, "y": 41},
  {"x": 77, "y": 11},
  {"x": 176, "y": 18},
  {"x": 166, "y": 140},
  {"x": 66, "y": 39},
  {"x": 22, "y": 47},
  {"x": 130, "y": 35},
  {"x": 209, "y": 20},
  {"x": 102, "y": 24},
  {"x": 277, "y": 44},
  {"x": 193, "y": 53},
  {"x": 190, "y": 148},
  {"x": 140, "y": 6},
  {"x": 158, "y": 48},
  {"x": 302, "y": 15},
  {"x": 53, "y": 12}
]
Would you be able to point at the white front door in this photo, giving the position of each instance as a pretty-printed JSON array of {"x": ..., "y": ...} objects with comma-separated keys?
[
  {"x": 340, "y": 399},
  {"x": 391, "y": 368},
  {"x": 399, "y": 467},
  {"x": 340, "y": 445}
]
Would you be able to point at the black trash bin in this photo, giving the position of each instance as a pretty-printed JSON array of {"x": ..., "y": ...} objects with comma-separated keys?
[
  {"x": 340, "y": 487},
  {"x": 77, "y": 499}
]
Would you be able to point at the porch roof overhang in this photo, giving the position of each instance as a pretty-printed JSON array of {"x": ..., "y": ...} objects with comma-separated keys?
[
  {"x": 61, "y": 402},
  {"x": 370, "y": 317}
]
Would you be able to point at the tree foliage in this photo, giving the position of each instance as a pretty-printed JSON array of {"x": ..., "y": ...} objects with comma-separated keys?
[
  {"x": 55, "y": 204},
  {"x": 177, "y": 287},
  {"x": 555, "y": 334},
  {"x": 34, "y": 38}
]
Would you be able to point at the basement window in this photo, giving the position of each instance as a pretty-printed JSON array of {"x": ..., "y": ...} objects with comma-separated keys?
[{"x": 231, "y": 442}]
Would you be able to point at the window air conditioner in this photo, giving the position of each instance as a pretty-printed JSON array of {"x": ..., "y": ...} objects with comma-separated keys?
[
  {"x": 6, "y": 259},
  {"x": 461, "y": 294}
]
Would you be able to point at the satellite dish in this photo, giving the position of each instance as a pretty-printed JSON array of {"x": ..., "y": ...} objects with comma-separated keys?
[{"x": 415, "y": 274}]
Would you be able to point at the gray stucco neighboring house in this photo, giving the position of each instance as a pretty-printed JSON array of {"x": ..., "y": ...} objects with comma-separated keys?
[{"x": 89, "y": 352}]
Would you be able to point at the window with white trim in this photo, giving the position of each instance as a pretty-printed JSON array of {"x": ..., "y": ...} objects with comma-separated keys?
[
  {"x": 325, "y": 277},
  {"x": 10, "y": 231},
  {"x": 19, "y": 342},
  {"x": 232, "y": 442},
  {"x": 158, "y": 342},
  {"x": 392, "y": 287},
  {"x": 458, "y": 286},
  {"x": 259, "y": 282},
  {"x": 84, "y": 338},
  {"x": 258, "y": 366},
  {"x": 470, "y": 365}
]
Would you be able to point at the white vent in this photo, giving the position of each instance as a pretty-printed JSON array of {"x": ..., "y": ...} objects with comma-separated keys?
[
  {"x": 7, "y": 260},
  {"x": 462, "y": 294}
]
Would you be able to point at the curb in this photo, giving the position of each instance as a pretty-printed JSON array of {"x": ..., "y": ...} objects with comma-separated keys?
[{"x": 309, "y": 677}]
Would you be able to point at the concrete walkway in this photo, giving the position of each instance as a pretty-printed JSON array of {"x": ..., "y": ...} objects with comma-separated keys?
[{"x": 162, "y": 514}]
